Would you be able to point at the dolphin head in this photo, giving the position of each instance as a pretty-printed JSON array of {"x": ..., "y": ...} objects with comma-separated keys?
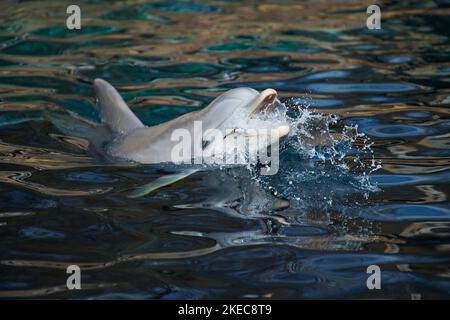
[
  {"x": 239, "y": 108},
  {"x": 245, "y": 114}
]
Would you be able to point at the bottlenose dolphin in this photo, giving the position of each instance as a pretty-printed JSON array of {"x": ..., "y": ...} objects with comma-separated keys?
[
  {"x": 132, "y": 140},
  {"x": 122, "y": 136}
]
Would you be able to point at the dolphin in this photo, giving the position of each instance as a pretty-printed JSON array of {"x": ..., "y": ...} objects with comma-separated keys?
[
  {"x": 121, "y": 136},
  {"x": 132, "y": 140}
]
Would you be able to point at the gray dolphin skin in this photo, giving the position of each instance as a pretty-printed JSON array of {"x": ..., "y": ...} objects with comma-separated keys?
[{"x": 132, "y": 140}]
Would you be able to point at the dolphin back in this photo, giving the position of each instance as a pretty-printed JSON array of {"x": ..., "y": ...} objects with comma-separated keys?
[{"x": 114, "y": 111}]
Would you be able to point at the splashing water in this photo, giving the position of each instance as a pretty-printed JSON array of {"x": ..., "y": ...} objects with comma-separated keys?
[
  {"x": 324, "y": 166},
  {"x": 321, "y": 160}
]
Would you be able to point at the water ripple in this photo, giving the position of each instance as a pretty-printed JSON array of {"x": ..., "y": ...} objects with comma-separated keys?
[{"x": 308, "y": 232}]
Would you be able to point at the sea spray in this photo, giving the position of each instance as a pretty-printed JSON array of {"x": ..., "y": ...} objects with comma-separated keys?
[{"x": 323, "y": 161}]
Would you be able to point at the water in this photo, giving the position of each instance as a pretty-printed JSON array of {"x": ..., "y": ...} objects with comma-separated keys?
[{"x": 311, "y": 231}]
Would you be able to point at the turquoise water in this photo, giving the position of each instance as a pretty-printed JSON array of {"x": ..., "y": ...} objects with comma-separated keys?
[{"x": 310, "y": 231}]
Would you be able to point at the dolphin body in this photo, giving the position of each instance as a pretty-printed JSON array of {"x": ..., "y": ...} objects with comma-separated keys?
[
  {"x": 132, "y": 140},
  {"x": 122, "y": 136}
]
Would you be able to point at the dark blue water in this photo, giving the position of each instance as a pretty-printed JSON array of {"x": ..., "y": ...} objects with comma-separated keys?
[{"x": 310, "y": 231}]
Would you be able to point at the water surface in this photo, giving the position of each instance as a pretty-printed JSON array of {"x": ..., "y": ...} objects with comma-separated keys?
[{"x": 229, "y": 233}]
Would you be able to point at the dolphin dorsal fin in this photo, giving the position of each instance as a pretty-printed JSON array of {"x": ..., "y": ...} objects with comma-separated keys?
[{"x": 113, "y": 110}]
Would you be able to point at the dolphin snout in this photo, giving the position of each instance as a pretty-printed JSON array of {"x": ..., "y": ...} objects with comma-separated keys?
[
  {"x": 269, "y": 96},
  {"x": 264, "y": 99}
]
